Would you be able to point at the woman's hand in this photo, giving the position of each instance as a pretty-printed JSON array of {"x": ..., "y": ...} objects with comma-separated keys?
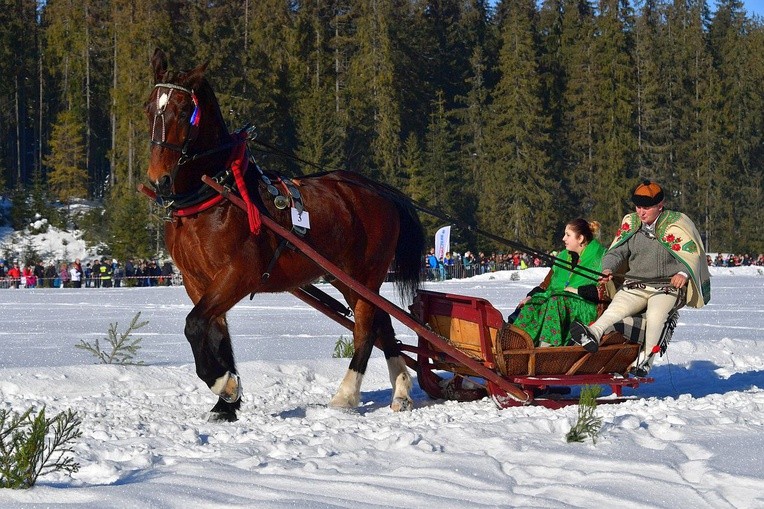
[{"x": 523, "y": 302}]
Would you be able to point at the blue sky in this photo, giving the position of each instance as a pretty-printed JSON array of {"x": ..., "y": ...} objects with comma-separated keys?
[{"x": 754, "y": 6}]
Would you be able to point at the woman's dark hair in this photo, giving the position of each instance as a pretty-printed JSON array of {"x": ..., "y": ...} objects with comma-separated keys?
[{"x": 590, "y": 230}]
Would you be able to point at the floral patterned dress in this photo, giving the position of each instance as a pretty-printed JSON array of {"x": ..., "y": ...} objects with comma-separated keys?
[{"x": 547, "y": 316}]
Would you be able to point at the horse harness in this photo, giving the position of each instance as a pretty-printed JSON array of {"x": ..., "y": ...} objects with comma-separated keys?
[{"x": 206, "y": 197}]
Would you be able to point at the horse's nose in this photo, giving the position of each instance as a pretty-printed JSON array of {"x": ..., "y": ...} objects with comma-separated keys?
[{"x": 164, "y": 185}]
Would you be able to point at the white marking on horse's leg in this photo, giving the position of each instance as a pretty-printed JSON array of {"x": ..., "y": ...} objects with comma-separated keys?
[
  {"x": 349, "y": 393},
  {"x": 402, "y": 384},
  {"x": 228, "y": 387}
]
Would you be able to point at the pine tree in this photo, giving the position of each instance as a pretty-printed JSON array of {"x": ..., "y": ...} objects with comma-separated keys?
[
  {"x": 18, "y": 89},
  {"x": 21, "y": 210},
  {"x": 317, "y": 124},
  {"x": 269, "y": 94},
  {"x": 656, "y": 87},
  {"x": 692, "y": 102},
  {"x": 373, "y": 102},
  {"x": 518, "y": 197},
  {"x": 65, "y": 59},
  {"x": 551, "y": 68},
  {"x": 441, "y": 178},
  {"x": 579, "y": 109},
  {"x": 614, "y": 147},
  {"x": 736, "y": 183},
  {"x": 413, "y": 166},
  {"x": 137, "y": 28},
  {"x": 68, "y": 173},
  {"x": 127, "y": 217},
  {"x": 471, "y": 117}
]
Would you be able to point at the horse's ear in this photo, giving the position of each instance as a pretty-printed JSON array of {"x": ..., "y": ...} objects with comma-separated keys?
[
  {"x": 159, "y": 64},
  {"x": 195, "y": 75}
]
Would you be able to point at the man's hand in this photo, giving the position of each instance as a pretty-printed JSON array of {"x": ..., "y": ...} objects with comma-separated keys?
[
  {"x": 607, "y": 275},
  {"x": 678, "y": 280}
]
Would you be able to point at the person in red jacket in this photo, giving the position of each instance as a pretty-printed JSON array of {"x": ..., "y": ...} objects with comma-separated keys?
[{"x": 14, "y": 274}]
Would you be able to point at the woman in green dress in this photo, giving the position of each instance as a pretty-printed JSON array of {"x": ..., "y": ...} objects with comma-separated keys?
[{"x": 546, "y": 314}]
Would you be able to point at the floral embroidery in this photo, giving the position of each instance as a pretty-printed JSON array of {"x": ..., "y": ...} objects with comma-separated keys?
[
  {"x": 622, "y": 231},
  {"x": 672, "y": 242}
]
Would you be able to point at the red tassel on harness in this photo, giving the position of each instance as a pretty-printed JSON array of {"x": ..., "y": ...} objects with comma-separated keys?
[{"x": 238, "y": 163}]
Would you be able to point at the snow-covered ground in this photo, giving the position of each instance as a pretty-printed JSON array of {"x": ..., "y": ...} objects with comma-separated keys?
[{"x": 694, "y": 438}]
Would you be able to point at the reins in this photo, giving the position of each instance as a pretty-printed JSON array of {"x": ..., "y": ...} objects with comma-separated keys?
[{"x": 559, "y": 262}]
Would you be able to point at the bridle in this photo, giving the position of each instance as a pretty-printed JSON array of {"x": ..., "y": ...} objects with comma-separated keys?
[
  {"x": 159, "y": 124},
  {"x": 162, "y": 101}
]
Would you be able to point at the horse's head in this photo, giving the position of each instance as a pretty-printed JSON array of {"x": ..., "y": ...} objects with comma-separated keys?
[{"x": 185, "y": 125}]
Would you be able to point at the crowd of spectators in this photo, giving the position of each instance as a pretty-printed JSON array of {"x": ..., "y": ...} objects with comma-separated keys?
[
  {"x": 457, "y": 266},
  {"x": 104, "y": 273},
  {"x": 96, "y": 273},
  {"x": 735, "y": 260}
]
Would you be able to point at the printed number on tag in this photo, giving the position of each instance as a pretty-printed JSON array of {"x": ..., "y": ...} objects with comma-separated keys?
[{"x": 300, "y": 218}]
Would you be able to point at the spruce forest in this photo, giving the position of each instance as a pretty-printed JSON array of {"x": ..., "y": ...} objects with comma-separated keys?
[{"x": 515, "y": 116}]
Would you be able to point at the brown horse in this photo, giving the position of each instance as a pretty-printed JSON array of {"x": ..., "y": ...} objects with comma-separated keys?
[{"x": 361, "y": 226}]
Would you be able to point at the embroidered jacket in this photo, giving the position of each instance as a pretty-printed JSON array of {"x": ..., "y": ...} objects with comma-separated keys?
[{"x": 679, "y": 237}]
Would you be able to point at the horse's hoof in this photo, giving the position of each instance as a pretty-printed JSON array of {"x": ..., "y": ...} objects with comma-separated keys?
[
  {"x": 223, "y": 412},
  {"x": 228, "y": 387},
  {"x": 402, "y": 405},
  {"x": 222, "y": 416},
  {"x": 343, "y": 402}
]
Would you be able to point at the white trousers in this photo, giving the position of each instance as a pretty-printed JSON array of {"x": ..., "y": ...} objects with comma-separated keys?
[{"x": 633, "y": 301}]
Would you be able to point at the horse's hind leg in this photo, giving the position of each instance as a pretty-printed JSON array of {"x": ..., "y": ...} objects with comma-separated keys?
[
  {"x": 349, "y": 393},
  {"x": 396, "y": 366},
  {"x": 372, "y": 324}
]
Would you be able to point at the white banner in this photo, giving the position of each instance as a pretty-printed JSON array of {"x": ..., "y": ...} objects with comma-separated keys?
[{"x": 442, "y": 242}]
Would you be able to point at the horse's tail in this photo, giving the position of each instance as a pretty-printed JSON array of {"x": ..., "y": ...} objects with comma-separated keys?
[
  {"x": 407, "y": 264},
  {"x": 409, "y": 249}
]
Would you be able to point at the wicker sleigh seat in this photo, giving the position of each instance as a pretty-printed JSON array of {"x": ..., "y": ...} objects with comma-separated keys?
[{"x": 515, "y": 355}]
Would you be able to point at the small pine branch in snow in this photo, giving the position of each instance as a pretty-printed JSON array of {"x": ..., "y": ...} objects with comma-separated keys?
[
  {"x": 32, "y": 446},
  {"x": 124, "y": 348},
  {"x": 343, "y": 348},
  {"x": 588, "y": 424}
]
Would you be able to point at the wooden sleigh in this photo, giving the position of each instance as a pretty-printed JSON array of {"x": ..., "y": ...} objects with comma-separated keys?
[
  {"x": 547, "y": 374},
  {"x": 465, "y": 349}
]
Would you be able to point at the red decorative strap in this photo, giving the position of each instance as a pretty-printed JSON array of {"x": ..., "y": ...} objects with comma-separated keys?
[
  {"x": 238, "y": 163},
  {"x": 199, "y": 207}
]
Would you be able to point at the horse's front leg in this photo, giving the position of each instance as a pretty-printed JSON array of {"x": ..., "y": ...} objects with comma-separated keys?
[{"x": 213, "y": 356}]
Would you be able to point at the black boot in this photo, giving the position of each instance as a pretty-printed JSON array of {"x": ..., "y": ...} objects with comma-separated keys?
[{"x": 581, "y": 335}]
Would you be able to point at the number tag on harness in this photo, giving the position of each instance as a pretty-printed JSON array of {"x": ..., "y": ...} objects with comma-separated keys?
[{"x": 300, "y": 218}]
